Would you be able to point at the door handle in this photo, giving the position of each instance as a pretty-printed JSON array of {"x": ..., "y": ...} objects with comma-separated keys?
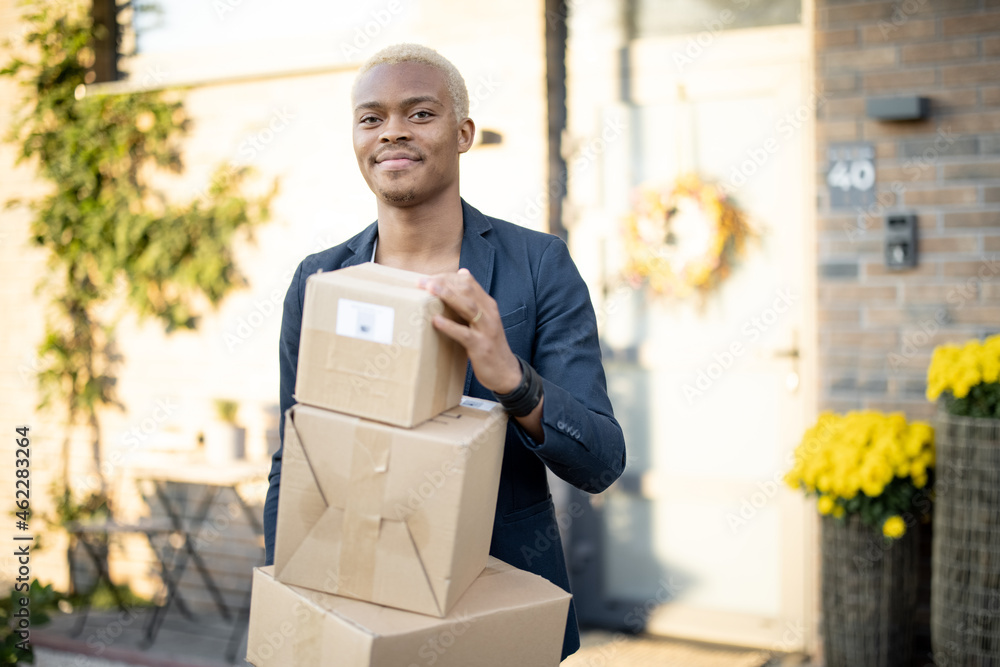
[{"x": 792, "y": 379}]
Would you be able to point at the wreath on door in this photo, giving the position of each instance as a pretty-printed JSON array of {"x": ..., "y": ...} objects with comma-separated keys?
[{"x": 684, "y": 239}]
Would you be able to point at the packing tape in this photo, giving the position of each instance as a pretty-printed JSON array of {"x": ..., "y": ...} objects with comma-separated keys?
[{"x": 363, "y": 509}]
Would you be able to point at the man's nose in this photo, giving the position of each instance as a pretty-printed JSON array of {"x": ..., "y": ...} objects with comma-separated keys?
[{"x": 394, "y": 130}]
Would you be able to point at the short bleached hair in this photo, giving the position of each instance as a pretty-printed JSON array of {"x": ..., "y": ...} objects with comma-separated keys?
[{"x": 416, "y": 53}]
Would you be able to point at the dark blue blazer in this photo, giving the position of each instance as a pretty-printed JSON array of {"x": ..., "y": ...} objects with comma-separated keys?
[{"x": 549, "y": 321}]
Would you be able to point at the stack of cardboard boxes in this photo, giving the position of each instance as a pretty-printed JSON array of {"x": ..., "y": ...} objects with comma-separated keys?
[{"x": 388, "y": 491}]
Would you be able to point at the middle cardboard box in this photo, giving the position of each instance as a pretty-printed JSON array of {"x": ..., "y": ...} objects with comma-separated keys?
[{"x": 398, "y": 517}]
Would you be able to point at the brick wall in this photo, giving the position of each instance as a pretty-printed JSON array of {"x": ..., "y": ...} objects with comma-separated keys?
[{"x": 877, "y": 327}]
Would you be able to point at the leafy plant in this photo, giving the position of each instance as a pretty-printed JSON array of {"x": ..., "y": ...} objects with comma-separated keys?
[
  {"x": 867, "y": 463},
  {"x": 114, "y": 242},
  {"x": 967, "y": 378},
  {"x": 69, "y": 508},
  {"x": 42, "y": 601},
  {"x": 226, "y": 410}
]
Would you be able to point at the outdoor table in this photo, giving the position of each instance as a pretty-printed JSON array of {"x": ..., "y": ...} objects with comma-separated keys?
[{"x": 206, "y": 484}]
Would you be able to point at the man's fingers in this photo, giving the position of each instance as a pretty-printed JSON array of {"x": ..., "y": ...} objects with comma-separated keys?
[
  {"x": 454, "y": 330},
  {"x": 458, "y": 291}
]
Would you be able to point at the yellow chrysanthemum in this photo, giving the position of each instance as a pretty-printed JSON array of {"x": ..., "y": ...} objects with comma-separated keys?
[
  {"x": 894, "y": 527},
  {"x": 860, "y": 452},
  {"x": 957, "y": 369}
]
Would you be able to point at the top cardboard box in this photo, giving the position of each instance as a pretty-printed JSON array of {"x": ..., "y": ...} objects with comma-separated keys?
[{"x": 368, "y": 347}]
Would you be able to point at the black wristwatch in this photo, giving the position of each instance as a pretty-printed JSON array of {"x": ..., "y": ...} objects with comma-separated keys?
[{"x": 526, "y": 396}]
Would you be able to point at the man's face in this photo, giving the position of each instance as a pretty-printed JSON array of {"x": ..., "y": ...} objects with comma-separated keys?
[{"x": 406, "y": 136}]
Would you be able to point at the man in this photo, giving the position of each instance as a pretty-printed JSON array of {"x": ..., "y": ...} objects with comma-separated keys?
[{"x": 531, "y": 333}]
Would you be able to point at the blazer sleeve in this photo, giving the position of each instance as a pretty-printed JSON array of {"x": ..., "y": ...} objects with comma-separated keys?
[
  {"x": 583, "y": 443},
  {"x": 288, "y": 357}
]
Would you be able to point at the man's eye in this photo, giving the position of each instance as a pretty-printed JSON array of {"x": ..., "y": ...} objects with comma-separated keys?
[
  {"x": 421, "y": 115},
  {"x": 368, "y": 120}
]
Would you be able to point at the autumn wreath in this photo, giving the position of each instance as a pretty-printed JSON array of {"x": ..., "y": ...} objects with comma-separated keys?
[{"x": 685, "y": 239}]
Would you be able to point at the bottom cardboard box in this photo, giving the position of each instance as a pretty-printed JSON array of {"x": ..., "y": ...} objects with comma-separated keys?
[{"x": 506, "y": 617}]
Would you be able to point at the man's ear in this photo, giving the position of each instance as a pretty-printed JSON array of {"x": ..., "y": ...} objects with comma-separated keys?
[{"x": 466, "y": 135}]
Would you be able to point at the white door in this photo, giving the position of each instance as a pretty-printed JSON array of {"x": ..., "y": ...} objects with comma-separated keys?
[{"x": 729, "y": 385}]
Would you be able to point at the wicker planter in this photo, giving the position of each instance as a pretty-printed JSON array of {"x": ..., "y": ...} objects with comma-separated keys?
[
  {"x": 869, "y": 588},
  {"x": 965, "y": 584}
]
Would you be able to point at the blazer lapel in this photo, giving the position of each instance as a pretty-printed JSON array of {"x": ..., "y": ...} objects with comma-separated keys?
[
  {"x": 477, "y": 257},
  {"x": 362, "y": 245},
  {"x": 477, "y": 252}
]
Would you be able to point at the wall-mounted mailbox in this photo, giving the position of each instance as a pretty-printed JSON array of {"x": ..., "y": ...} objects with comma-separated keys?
[
  {"x": 900, "y": 240},
  {"x": 908, "y": 107}
]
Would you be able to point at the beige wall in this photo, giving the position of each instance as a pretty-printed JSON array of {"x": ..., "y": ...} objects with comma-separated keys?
[
  {"x": 21, "y": 267},
  {"x": 300, "y": 121}
]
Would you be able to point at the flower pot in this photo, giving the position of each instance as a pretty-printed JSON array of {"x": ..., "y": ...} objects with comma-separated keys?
[
  {"x": 965, "y": 580},
  {"x": 224, "y": 442},
  {"x": 869, "y": 594}
]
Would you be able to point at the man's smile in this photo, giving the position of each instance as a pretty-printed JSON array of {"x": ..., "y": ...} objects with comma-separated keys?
[{"x": 396, "y": 160}]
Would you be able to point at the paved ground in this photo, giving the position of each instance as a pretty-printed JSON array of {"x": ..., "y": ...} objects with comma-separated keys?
[
  {"x": 45, "y": 657},
  {"x": 108, "y": 642},
  {"x": 603, "y": 649}
]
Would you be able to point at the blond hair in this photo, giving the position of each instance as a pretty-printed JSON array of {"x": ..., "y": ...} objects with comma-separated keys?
[{"x": 415, "y": 53}]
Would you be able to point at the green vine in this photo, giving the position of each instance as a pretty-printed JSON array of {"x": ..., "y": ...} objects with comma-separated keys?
[
  {"x": 18, "y": 618},
  {"x": 114, "y": 242}
]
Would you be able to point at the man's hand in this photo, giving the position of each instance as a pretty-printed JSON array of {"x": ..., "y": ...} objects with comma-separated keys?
[
  {"x": 483, "y": 337},
  {"x": 494, "y": 364}
]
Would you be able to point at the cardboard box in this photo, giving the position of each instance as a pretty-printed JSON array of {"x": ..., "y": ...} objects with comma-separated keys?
[
  {"x": 507, "y": 617},
  {"x": 368, "y": 347},
  {"x": 398, "y": 517}
]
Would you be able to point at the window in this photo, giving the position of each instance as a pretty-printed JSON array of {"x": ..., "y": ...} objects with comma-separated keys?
[{"x": 661, "y": 18}]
